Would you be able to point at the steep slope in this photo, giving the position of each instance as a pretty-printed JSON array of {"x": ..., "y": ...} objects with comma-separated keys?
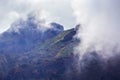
[{"x": 58, "y": 45}]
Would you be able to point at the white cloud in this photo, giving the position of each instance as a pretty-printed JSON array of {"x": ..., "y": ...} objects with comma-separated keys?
[
  {"x": 58, "y": 10},
  {"x": 100, "y": 22}
]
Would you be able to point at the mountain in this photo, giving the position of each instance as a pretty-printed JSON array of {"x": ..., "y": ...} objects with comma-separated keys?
[
  {"x": 45, "y": 61},
  {"x": 31, "y": 50},
  {"x": 27, "y": 54},
  {"x": 25, "y": 34}
]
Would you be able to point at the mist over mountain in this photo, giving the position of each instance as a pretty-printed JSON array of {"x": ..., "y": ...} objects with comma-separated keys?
[
  {"x": 23, "y": 35},
  {"x": 35, "y": 50}
]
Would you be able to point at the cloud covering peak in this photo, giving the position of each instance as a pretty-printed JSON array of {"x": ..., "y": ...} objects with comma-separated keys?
[
  {"x": 99, "y": 20},
  {"x": 56, "y": 10}
]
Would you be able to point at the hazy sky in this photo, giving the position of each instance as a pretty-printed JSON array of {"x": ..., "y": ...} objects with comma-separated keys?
[{"x": 54, "y": 10}]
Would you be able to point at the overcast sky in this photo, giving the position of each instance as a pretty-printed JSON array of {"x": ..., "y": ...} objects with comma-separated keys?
[{"x": 54, "y": 10}]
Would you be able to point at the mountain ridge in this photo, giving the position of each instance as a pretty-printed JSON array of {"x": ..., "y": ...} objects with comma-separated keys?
[{"x": 23, "y": 35}]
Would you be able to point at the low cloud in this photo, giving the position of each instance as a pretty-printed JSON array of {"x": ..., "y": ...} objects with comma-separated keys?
[
  {"x": 100, "y": 26},
  {"x": 56, "y": 10},
  {"x": 99, "y": 49}
]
